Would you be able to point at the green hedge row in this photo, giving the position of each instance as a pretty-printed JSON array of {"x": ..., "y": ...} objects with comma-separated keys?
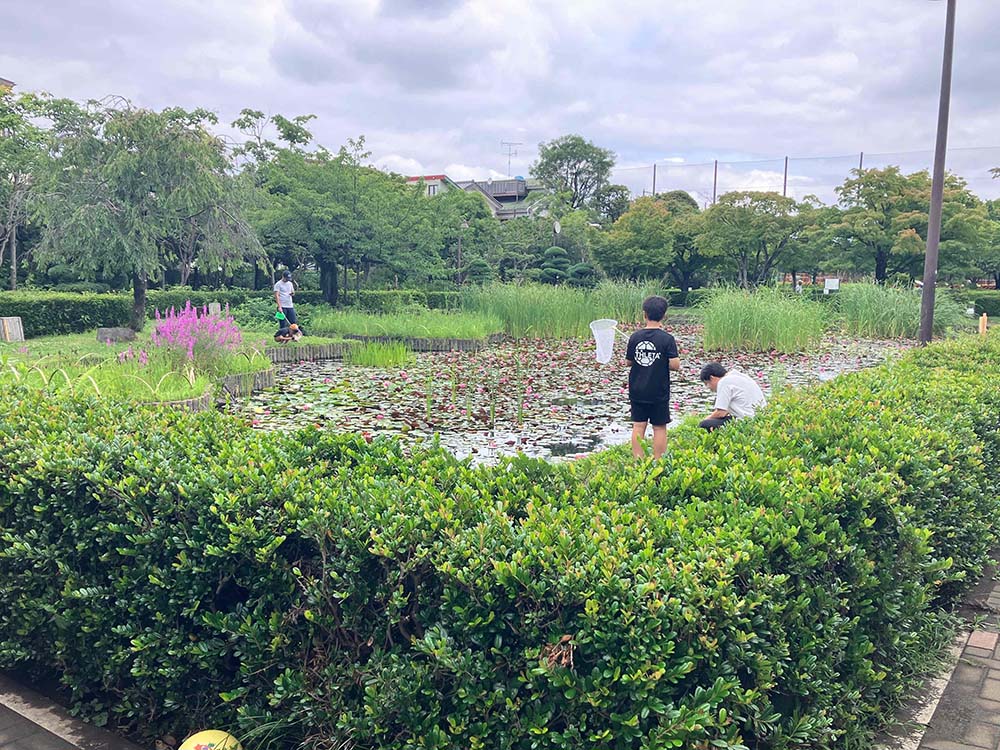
[
  {"x": 53, "y": 313},
  {"x": 394, "y": 300},
  {"x": 985, "y": 301},
  {"x": 772, "y": 585}
]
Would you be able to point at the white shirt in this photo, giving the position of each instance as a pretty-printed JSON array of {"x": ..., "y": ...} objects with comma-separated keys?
[
  {"x": 285, "y": 290},
  {"x": 739, "y": 395}
]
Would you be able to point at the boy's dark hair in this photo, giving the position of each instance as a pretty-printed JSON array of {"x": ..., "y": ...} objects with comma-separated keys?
[
  {"x": 712, "y": 369},
  {"x": 655, "y": 308}
]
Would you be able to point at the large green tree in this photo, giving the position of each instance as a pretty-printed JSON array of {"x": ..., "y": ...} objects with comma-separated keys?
[
  {"x": 22, "y": 151},
  {"x": 689, "y": 266},
  {"x": 137, "y": 191},
  {"x": 752, "y": 231},
  {"x": 640, "y": 245},
  {"x": 884, "y": 223},
  {"x": 573, "y": 165}
]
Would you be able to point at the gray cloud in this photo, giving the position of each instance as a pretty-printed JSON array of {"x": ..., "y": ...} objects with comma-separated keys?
[{"x": 441, "y": 82}]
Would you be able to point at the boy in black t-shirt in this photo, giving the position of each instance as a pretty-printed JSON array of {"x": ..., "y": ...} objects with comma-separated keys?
[{"x": 651, "y": 355}]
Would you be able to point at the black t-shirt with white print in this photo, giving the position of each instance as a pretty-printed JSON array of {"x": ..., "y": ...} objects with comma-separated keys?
[{"x": 650, "y": 351}]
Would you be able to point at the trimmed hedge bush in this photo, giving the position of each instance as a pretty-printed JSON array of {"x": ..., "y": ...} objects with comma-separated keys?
[
  {"x": 985, "y": 301},
  {"x": 394, "y": 300},
  {"x": 775, "y": 584},
  {"x": 54, "y": 313}
]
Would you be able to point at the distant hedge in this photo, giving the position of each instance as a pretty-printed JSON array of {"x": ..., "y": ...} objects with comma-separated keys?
[
  {"x": 52, "y": 313},
  {"x": 984, "y": 301},
  {"x": 775, "y": 584}
]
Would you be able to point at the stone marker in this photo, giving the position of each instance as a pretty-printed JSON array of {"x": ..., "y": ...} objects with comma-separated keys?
[
  {"x": 115, "y": 335},
  {"x": 214, "y": 308},
  {"x": 11, "y": 329}
]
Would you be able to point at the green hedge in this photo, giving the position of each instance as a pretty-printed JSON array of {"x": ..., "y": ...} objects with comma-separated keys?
[
  {"x": 772, "y": 585},
  {"x": 393, "y": 300},
  {"x": 54, "y": 313},
  {"x": 985, "y": 301}
]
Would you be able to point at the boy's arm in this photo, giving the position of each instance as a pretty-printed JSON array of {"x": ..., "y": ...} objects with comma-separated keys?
[{"x": 673, "y": 360}]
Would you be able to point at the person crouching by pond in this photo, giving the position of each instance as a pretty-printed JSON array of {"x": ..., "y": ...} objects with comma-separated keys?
[
  {"x": 736, "y": 395},
  {"x": 289, "y": 333}
]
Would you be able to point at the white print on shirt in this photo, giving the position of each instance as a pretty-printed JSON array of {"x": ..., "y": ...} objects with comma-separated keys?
[{"x": 645, "y": 353}]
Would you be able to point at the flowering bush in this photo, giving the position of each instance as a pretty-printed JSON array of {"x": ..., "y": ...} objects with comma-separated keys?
[{"x": 201, "y": 338}]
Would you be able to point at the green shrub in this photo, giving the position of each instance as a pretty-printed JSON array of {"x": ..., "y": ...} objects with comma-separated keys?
[
  {"x": 984, "y": 301},
  {"x": 83, "y": 287},
  {"x": 387, "y": 301},
  {"x": 443, "y": 300},
  {"x": 881, "y": 311},
  {"x": 53, "y": 313},
  {"x": 762, "y": 320},
  {"x": 774, "y": 584}
]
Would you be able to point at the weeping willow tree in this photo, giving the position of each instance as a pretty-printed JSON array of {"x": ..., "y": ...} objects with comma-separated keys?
[{"x": 134, "y": 191}]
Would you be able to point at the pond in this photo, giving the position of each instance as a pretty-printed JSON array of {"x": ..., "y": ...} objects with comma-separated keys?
[{"x": 549, "y": 399}]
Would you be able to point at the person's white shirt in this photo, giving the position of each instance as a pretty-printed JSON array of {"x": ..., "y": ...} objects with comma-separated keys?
[
  {"x": 285, "y": 289},
  {"x": 739, "y": 395}
]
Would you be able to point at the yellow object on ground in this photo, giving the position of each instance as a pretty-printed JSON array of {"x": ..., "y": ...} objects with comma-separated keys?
[{"x": 211, "y": 739}]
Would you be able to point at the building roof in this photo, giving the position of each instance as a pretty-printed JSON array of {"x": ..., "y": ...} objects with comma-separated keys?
[{"x": 6, "y": 84}]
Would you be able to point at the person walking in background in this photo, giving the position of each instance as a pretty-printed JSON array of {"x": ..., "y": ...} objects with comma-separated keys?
[
  {"x": 736, "y": 395},
  {"x": 651, "y": 355},
  {"x": 284, "y": 291}
]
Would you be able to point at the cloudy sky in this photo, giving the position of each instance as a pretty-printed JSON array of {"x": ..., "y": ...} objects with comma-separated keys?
[{"x": 436, "y": 85}]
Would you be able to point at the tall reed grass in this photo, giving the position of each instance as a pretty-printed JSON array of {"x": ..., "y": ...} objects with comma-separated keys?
[
  {"x": 379, "y": 354},
  {"x": 558, "y": 312},
  {"x": 416, "y": 323},
  {"x": 762, "y": 320},
  {"x": 891, "y": 312}
]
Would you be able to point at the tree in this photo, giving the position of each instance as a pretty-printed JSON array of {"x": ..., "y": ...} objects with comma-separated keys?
[
  {"x": 611, "y": 201},
  {"x": 22, "y": 150},
  {"x": 752, "y": 231},
  {"x": 688, "y": 265},
  {"x": 988, "y": 257},
  {"x": 573, "y": 165},
  {"x": 555, "y": 265},
  {"x": 884, "y": 225},
  {"x": 128, "y": 188},
  {"x": 640, "y": 244}
]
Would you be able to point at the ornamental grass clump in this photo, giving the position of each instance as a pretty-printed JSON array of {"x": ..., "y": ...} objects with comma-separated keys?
[
  {"x": 892, "y": 312},
  {"x": 201, "y": 338},
  {"x": 761, "y": 320}
]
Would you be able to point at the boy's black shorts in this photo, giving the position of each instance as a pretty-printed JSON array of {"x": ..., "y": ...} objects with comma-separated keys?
[{"x": 657, "y": 414}]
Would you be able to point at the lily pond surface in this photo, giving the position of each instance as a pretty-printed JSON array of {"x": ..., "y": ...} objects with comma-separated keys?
[{"x": 549, "y": 399}]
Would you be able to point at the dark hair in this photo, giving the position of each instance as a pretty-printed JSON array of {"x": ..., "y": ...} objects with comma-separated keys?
[
  {"x": 712, "y": 369},
  {"x": 655, "y": 307}
]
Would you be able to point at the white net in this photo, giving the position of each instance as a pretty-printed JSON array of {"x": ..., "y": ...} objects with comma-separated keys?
[{"x": 604, "y": 335}]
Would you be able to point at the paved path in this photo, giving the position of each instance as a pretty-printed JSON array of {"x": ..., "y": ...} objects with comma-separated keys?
[
  {"x": 29, "y": 721},
  {"x": 968, "y": 714}
]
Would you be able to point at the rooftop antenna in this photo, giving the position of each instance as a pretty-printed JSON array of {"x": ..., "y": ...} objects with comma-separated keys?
[{"x": 511, "y": 151}]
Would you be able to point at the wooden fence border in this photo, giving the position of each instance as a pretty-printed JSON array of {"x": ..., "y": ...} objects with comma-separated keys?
[{"x": 247, "y": 383}]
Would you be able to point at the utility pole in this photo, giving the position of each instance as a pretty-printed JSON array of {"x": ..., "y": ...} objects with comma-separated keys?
[
  {"x": 861, "y": 162},
  {"x": 511, "y": 151},
  {"x": 784, "y": 185},
  {"x": 937, "y": 185},
  {"x": 715, "y": 180},
  {"x": 654, "y": 179}
]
